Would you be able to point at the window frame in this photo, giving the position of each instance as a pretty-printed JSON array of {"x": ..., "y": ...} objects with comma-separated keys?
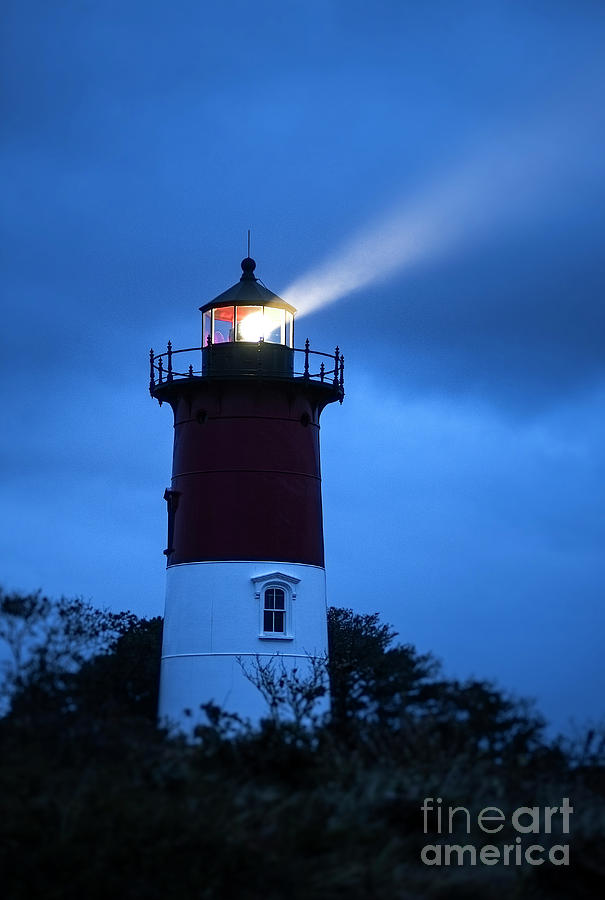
[
  {"x": 285, "y": 583},
  {"x": 272, "y": 610},
  {"x": 231, "y": 335}
]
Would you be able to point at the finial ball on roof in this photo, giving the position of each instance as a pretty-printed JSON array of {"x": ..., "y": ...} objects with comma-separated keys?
[{"x": 248, "y": 266}]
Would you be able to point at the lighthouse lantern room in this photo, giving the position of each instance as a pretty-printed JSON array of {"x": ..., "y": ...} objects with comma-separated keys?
[{"x": 245, "y": 555}]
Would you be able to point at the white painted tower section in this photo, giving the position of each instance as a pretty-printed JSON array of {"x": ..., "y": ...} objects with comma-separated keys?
[{"x": 215, "y": 617}]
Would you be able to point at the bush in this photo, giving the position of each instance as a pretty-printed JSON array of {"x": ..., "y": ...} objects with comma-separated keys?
[{"x": 98, "y": 801}]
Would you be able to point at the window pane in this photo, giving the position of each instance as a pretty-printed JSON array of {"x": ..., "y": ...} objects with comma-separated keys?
[
  {"x": 269, "y": 598},
  {"x": 249, "y": 323},
  {"x": 279, "y": 599},
  {"x": 223, "y": 325},
  {"x": 268, "y": 621},
  {"x": 274, "y": 324},
  {"x": 278, "y": 621},
  {"x": 206, "y": 328}
]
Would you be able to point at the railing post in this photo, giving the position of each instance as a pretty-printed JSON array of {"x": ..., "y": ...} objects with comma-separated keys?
[
  {"x": 209, "y": 340},
  {"x": 307, "y": 358},
  {"x": 169, "y": 375},
  {"x": 191, "y": 370},
  {"x": 322, "y": 371},
  {"x": 336, "y": 355},
  {"x": 342, "y": 377},
  {"x": 160, "y": 370},
  {"x": 151, "y": 372}
]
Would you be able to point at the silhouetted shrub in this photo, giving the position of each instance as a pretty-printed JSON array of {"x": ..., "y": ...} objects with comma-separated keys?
[{"x": 97, "y": 801}]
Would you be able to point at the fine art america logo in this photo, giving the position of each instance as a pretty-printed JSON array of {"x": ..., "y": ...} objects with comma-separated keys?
[{"x": 521, "y": 826}]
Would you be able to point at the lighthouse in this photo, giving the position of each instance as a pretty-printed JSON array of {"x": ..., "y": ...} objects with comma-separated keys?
[{"x": 245, "y": 577}]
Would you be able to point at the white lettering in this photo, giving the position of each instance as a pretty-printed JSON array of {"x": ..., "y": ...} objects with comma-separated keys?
[
  {"x": 549, "y": 812},
  {"x": 435, "y": 860},
  {"x": 508, "y": 849},
  {"x": 489, "y": 855},
  {"x": 530, "y": 859},
  {"x": 566, "y": 811},
  {"x": 534, "y": 812},
  {"x": 564, "y": 850},
  {"x": 460, "y": 851},
  {"x": 482, "y": 817},
  {"x": 456, "y": 809},
  {"x": 425, "y": 808}
]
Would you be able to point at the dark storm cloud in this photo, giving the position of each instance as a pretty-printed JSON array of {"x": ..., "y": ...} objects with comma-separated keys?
[{"x": 135, "y": 139}]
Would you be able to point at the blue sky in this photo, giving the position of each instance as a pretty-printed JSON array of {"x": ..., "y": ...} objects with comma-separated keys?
[{"x": 436, "y": 173}]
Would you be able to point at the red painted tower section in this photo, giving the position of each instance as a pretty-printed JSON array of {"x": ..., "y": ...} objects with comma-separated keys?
[{"x": 246, "y": 478}]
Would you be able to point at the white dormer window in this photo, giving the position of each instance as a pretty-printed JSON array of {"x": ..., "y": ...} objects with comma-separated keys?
[{"x": 275, "y": 594}]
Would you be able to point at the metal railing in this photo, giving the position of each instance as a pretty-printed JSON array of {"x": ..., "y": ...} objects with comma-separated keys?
[{"x": 162, "y": 366}]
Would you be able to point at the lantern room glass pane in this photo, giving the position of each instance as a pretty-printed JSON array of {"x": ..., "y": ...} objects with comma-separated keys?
[
  {"x": 274, "y": 324},
  {"x": 223, "y": 324},
  {"x": 249, "y": 323},
  {"x": 206, "y": 327},
  {"x": 289, "y": 329}
]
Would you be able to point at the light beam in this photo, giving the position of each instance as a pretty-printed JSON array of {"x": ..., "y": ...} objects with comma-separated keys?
[{"x": 509, "y": 180}]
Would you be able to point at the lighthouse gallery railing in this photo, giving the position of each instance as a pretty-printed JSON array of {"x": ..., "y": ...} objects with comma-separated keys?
[{"x": 162, "y": 367}]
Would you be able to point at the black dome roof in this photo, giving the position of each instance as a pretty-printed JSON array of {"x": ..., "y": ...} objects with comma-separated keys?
[{"x": 248, "y": 291}]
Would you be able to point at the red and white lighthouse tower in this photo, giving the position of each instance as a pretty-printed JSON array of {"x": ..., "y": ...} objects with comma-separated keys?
[{"x": 245, "y": 553}]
